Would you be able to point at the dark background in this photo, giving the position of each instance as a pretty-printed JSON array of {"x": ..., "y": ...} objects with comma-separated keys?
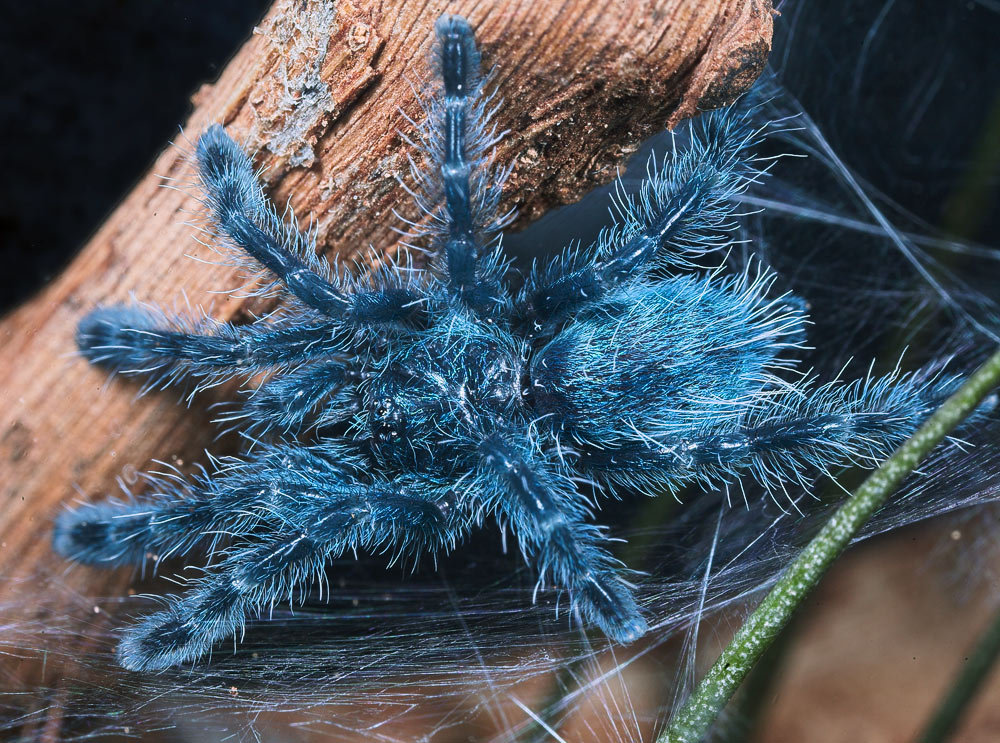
[{"x": 89, "y": 93}]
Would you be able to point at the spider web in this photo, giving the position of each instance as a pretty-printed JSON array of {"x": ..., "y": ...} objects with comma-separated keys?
[{"x": 469, "y": 651}]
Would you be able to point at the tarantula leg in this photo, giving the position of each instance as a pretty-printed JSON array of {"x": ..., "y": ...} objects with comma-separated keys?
[
  {"x": 470, "y": 198},
  {"x": 248, "y": 219},
  {"x": 288, "y": 402},
  {"x": 254, "y": 576},
  {"x": 138, "y": 340},
  {"x": 460, "y": 76},
  {"x": 548, "y": 518},
  {"x": 684, "y": 209},
  {"x": 784, "y": 435},
  {"x": 178, "y": 515}
]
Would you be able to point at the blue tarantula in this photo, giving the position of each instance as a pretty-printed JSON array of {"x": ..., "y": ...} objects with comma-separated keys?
[{"x": 403, "y": 409}]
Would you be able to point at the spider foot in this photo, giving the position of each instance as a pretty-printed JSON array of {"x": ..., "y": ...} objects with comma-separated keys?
[
  {"x": 607, "y": 602},
  {"x": 100, "y": 534},
  {"x": 183, "y": 632},
  {"x": 109, "y": 335}
]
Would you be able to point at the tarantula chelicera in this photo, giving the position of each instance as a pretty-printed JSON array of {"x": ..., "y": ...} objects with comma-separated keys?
[{"x": 404, "y": 408}]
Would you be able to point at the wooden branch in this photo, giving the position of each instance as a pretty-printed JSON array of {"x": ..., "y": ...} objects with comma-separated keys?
[{"x": 318, "y": 89}]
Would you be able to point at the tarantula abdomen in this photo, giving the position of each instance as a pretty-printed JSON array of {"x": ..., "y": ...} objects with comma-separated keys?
[{"x": 666, "y": 357}]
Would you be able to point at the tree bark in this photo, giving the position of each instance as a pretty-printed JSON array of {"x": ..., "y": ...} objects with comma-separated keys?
[{"x": 318, "y": 90}]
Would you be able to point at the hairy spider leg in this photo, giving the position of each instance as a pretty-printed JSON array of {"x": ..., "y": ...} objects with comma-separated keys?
[
  {"x": 178, "y": 514},
  {"x": 289, "y": 402},
  {"x": 257, "y": 575},
  {"x": 247, "y": 218},
  {"x": 682, "y": 210},
  {"x": 459, "y": 73},
  {"x": 786, "y": 433},
  {"x": 460, "y": 107},
  {"x": 547, "y": 515},
  {"x": 143, "y": 341}
]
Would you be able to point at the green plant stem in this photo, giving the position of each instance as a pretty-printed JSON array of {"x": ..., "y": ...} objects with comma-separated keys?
[
  {"x": 692, "y": 722},
  {"x": 963, "y": 691},
  {"x": 743, "y": 717}
]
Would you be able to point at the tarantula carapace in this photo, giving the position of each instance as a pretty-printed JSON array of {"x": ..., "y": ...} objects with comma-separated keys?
[{"x": 402, "y": 409}]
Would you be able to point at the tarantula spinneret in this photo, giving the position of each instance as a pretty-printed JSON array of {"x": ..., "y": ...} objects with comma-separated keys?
[{"x": 405, "y": 408}]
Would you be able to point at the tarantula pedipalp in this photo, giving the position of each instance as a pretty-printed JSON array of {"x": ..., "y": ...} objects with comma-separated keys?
[{"x": 406, "y": 408}]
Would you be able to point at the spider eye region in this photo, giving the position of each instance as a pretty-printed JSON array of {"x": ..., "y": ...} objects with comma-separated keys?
[{"x": 450, "y": 388}]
